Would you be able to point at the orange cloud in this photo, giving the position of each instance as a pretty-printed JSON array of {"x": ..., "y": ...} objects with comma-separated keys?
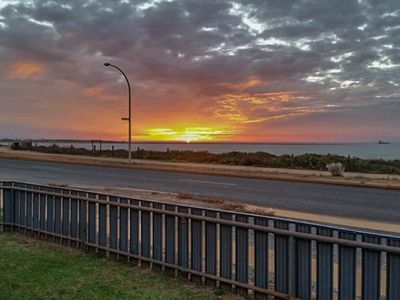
[
  {"x": 25, "y": 69},
  {"x": 251, "y": 82},
  {"x": 99, "y": 92},
  {"x": 244, "y": 108}
]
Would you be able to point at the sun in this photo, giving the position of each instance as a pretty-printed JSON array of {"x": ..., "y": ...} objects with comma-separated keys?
[
  {"x": 191, "y": 135},
  {"x": 188, "y": 134}
]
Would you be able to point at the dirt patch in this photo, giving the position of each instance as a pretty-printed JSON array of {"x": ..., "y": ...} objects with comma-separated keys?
[{"x": 176, "y": 198}]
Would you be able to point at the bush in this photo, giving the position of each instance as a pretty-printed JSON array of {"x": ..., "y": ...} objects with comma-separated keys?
[
  {"x": 308, "y": 161},
  {"x": 336, "y": 169},
  {"x": 15, "y": 146},
  {"x": 24, "y": 145}
]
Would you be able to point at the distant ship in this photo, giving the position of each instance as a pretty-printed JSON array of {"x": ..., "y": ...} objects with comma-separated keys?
[{"x": 383, "y": 143}]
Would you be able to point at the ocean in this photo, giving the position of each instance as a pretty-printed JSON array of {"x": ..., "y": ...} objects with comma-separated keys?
[{"x": 361, "y": 150}]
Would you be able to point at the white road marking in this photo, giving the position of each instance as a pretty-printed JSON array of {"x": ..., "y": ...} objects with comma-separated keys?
[
  {"x": 47, "y": 168},
  {"x": 208, "y": 182}
]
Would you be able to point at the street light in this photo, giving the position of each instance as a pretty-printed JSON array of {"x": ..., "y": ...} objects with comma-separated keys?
[{"x": 129, "y": 118}]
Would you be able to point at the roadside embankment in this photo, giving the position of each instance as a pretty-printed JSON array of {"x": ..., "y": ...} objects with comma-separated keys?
[{"x": 311, "y": 176}]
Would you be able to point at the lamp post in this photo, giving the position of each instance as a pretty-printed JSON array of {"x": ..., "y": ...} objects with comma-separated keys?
[{"x": 129, "y": 118}]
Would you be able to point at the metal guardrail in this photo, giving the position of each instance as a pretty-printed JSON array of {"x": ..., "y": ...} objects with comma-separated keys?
[{"x": 261, "y": 255}]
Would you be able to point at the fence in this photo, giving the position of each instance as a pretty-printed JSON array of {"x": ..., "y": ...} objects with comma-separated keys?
[{"x": 250, "y": 254}]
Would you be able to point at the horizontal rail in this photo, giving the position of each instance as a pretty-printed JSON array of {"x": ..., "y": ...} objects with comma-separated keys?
[
  {"x": 38, "y": 230},
  {"x": 300, "y": 235},
  {"x": 14, "y": 186}
]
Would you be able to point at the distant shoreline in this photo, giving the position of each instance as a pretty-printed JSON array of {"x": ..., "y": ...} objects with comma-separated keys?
[
  {"x": 356, "y": 149},
  {"x": 65, "y": 141}
]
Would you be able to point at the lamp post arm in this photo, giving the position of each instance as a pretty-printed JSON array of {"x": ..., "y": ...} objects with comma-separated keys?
[
  {"x": 129, "y": 110},
  {"x": 126, "y": 78}
]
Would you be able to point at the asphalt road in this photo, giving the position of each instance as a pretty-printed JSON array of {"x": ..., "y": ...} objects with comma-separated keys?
[{"x": 334, "y": 200}]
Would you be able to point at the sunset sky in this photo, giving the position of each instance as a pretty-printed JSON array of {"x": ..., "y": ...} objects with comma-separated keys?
[{"x": 250, "y": 70}]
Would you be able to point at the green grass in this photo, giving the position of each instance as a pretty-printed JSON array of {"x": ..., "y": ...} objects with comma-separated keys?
[{"x": 31, "y": 269}]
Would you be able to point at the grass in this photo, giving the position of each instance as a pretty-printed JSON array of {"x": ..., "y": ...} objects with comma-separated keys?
[{"x": 32, "y": 269}]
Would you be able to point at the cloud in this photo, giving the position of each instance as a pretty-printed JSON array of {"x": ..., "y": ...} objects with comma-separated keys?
[
  {"x": 248, "y": 108},
  {"x": 25, "y": 70},
  {"x": 245, "y": 64}
]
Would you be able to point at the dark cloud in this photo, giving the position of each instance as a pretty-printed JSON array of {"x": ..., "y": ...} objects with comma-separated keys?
[{"x": 325, "y": 55}]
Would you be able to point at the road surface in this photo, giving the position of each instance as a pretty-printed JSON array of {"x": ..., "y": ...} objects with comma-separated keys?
[{"x": 334, "y": 200}]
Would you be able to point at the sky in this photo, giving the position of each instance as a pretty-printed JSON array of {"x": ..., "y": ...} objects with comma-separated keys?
[{"x": 209, "y": 70}]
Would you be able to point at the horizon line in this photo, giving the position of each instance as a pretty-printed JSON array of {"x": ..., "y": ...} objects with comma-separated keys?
[{"x": 48, "y": 140}]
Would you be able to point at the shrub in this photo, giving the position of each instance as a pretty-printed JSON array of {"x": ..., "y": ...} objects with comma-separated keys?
[
  {"x": 24, "y": 145},
  {"x": 15, "y": 146},
  {"x": 336, "y": 169},
  {"x": 311, "y": 161}
]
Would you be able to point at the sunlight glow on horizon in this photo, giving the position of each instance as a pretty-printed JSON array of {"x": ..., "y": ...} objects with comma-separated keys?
[{"x": 187, "y": 134}]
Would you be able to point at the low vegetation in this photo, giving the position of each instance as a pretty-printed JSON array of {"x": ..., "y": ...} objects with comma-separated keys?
[
  {"x": 336, "y": 169},
  {"x": 30, "y": 269},
  {"x": 307, "y": 161}
]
